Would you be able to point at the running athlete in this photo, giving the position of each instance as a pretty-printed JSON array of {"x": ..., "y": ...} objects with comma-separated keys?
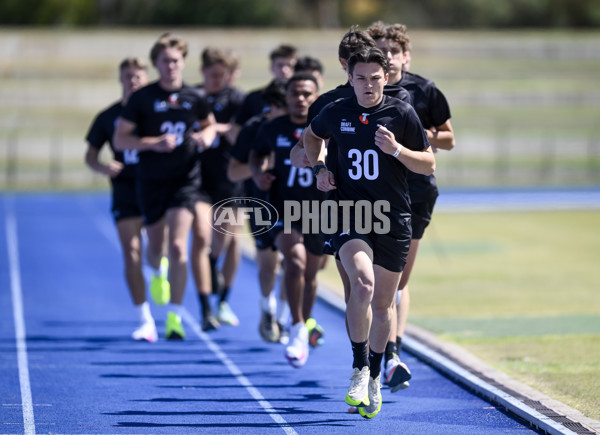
[
  {"x": 161, "y": 121},
  {"x": 225, "y": 102},
  {"x": 311, "y": 65},
  {"x": 301, "y": 250},
  {"x": 378, "y": 139},
  {"x": 434, "y": 113},
  {"x": 267, "y": 255},
  {"x": 352, "y": 41},
  {"x": 283, "y": 59},
  {"x": 121, "y": 172}
]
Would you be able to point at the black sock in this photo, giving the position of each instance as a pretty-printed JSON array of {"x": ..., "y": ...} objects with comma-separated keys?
[
  {"x": 224, "y": 294},
  {"x": 398, "y": 345},
  {"x": 213, "y": 274},
  {"x": 375, "y": 359},
  {"x": 204, "y": 305},
  {"x": 390, "y": 350},
  {"x": 360, "y": 353}
]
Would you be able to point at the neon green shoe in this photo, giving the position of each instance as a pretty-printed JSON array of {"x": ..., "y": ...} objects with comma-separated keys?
[
  {"x": 160, "y": 289},
  {"x": 315, "y": 333},
  {"x": 173, "y": 327},
  {"x": 358, "y": 393},
  {"x": 374, "y": 407}
]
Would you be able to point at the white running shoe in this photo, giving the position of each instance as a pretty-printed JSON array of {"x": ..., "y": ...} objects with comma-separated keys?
[
  {"x": 226, "y": 315},
  {"x": 146, "y": 332},
  {"x": 296, "y": 351},
  {"x": 374, "y": 397},
  {"x": 396, "y": 374},
  {"x": 358, "y": 392},
  {"x": 268, "y": 327}
]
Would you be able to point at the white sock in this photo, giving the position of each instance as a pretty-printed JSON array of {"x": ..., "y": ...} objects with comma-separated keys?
[
  {"x": 398, "y": 296},
  {"x": 283, "y": 313},
  {"x": 143, "y": 311},
  {"x": 176, "y": 308},
  {"x": 268, "y": 303}
]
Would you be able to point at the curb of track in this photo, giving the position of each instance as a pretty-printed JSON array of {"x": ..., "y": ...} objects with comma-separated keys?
[{"x": 541, "y": 412}]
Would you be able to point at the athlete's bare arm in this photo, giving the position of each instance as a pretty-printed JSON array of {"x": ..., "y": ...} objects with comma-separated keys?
[
  {"x": 125, "y": 139},
  {"x": 441, "y": 136}
]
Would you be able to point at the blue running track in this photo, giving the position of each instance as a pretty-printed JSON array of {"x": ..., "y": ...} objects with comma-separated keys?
[{"x": 68, "y": 365}]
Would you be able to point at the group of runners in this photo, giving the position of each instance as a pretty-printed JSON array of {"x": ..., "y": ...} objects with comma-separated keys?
[{"x": 368, "y": 141}]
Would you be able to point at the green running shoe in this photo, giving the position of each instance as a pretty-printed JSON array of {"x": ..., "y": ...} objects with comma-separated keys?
[
  {"x": 160, "y": 289},
  {"x": 358, "y": 393},
  {"x": 374, "y": 407},
  {"x": 173, "y": 327}
]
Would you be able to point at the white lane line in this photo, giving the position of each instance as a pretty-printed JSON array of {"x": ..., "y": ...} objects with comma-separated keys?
[
  {"x": 102, "y": 225},
  {"x": 12, "y": 245},
  {"x": 239, "y": 375}
]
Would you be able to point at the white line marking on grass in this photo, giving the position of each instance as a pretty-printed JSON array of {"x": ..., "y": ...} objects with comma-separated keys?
[
  {"x": 12, "y": 245},
  {"x": 235, "y": 371}
]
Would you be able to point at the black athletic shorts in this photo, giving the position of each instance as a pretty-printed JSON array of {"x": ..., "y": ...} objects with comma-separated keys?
[
  {"x": 421, "y": 212},
  {"x": 312, "y": 242},
  {"x": 389, "y": 250},
  {"x": 124, "y": 199},
  {"x": 157, "y": 196},
  {"x": 263, "y": 239}
]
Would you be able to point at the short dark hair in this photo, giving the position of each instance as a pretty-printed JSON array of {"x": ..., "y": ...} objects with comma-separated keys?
[
  {"x": 132, "y": 62},
  {"x": 369, "y": 55},
  {"x": 308, "y": 63},
  {"x": 353, "y": 40},
  {"x": 300, "y": 77},
  {"x": 284, "y": 50},
  {"x": 274, "y": 93}
]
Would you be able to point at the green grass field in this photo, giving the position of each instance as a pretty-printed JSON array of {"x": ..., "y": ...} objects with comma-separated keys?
[{"x": 520, "y": 291}]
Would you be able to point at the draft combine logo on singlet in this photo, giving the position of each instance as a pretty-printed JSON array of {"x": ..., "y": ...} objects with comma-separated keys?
[
  {"x": 363, "y": 118},
  {"x": 298, "y": 133},
  {"x": 346, "y": 127}
]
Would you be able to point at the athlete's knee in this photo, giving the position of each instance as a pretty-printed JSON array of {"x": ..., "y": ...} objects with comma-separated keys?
[
  {"x": 362, "y": 290},
  {"x": 178, "y": 251}
]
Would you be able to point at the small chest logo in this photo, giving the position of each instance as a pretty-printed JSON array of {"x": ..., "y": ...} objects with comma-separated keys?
[
  {"x": 346, "y": 127},
  {"x": 298, "y": 133},
  {"x": 283, "y": 141},
  {"x": 363, "y": 118}
]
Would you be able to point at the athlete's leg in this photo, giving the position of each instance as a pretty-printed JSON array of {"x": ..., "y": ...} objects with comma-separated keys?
[
  {"x": 156, "y": 233},
  {"x": 402, "y": 307},
  {"x": 313, "y": 265},
  {"x": 268, "y": 263},
  {"x": 130, "y": 230},
  {"x": 179, "y": 221},
  {"x": 294, "y": 259},
  {"x": 386, "y": 283},
  {"x": 201, "y": 242},
  {"x": 357, "y": 260},
  {"x": 232, "y": 257}
]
